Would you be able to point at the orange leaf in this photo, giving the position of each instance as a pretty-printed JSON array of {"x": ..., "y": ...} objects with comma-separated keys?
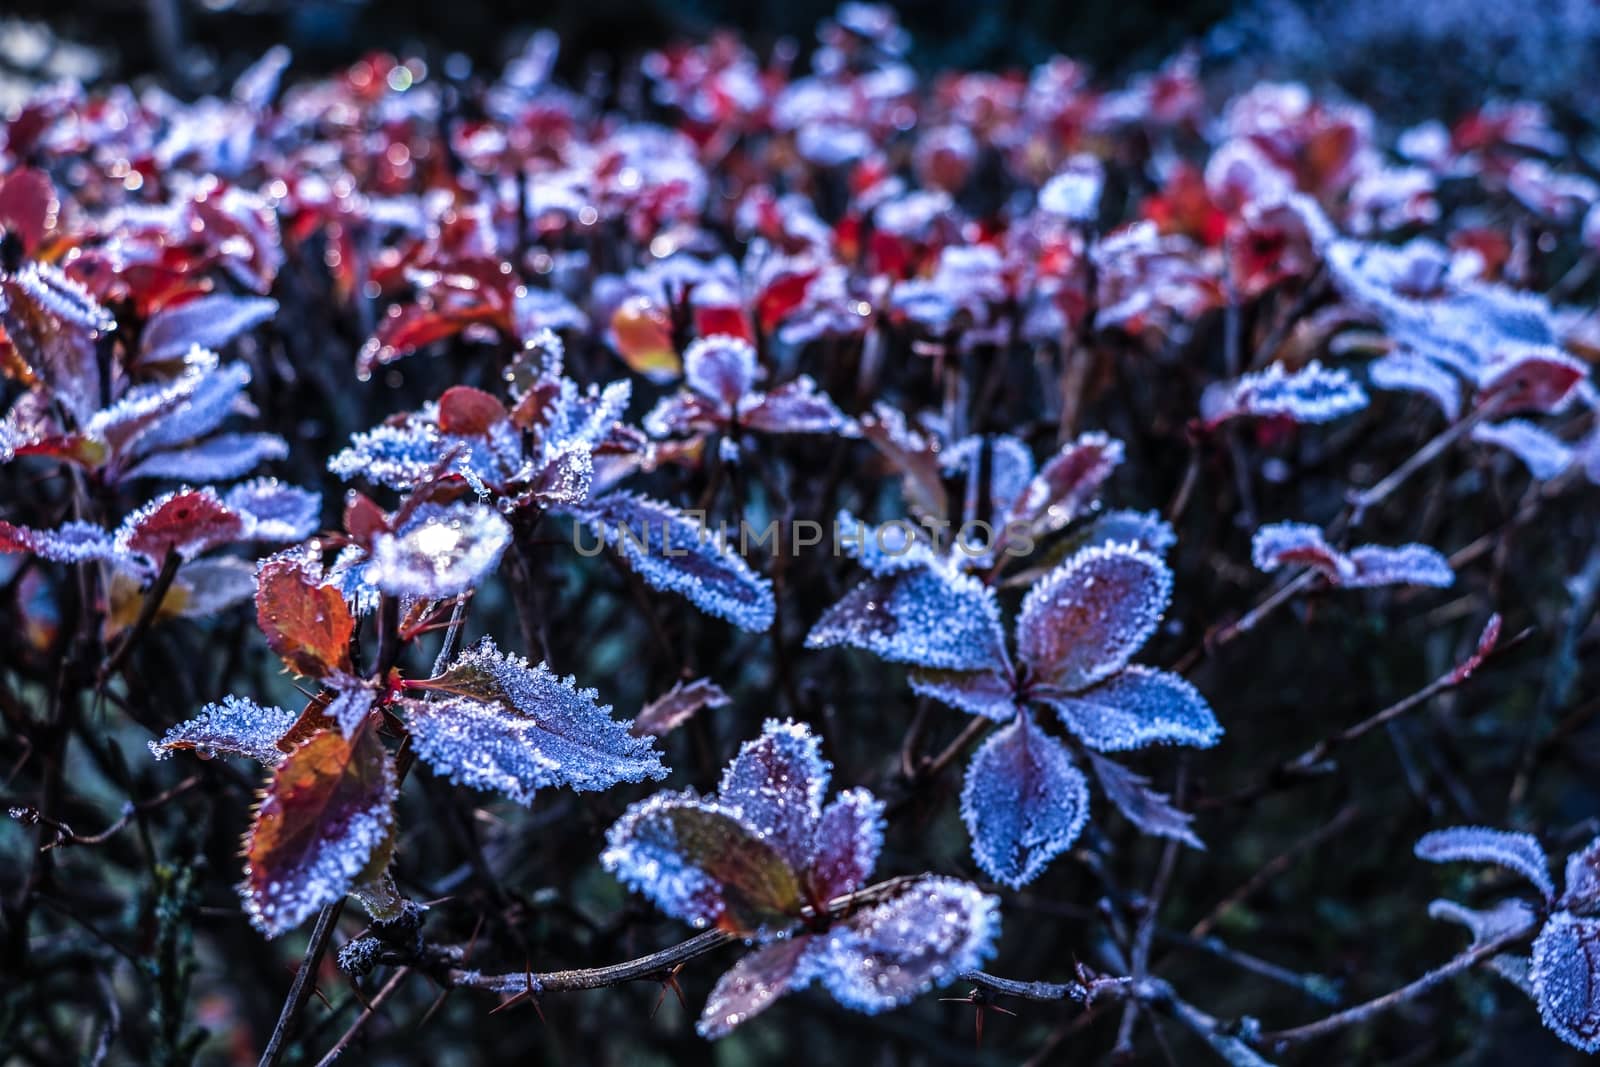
[
  {"x": 326, "y": 821},
  {"x": 642, "y": 334},
  {"x": 305, "y": 623}
]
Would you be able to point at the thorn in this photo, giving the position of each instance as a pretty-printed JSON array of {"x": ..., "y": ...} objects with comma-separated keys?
[
  {"x": 670, "y": 982},
  {"x": 526, "y": 994},
  {"x": 982, "y": 1002}
]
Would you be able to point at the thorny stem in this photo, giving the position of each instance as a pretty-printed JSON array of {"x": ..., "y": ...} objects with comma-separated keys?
[
  {"x": 1281, "y": 1039},
  {"x": 366, "y": 1015},
  {"x": 304, "y": 981},
  {"x": 655, "y": 964}
]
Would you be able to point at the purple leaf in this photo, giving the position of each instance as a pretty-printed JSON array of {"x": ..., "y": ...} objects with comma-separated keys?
[
  {"x": 1082, "y": 621},
  {"x": 1376, "y": 565},
  {"x": 927, "y": 615},
  {"x": 235, "y": 727},
  {"x": 1142, "y": 529},
  {"x": 1024, "y": 802},
  {"x": 1286, "y": 544},
  {"x": 1521, "y": 853},
  {"x": 216, "y": 459},
  {"x": 209, "y": 322},
  {"x": 677, "y": 705},
  {"x": 794, "y": 407},
  {"x": 1297, "y": 544},
  {"x": 73, "y": 542},
  {"x": 1582, "y": 893},
  {"x": 214, "y": 395},
  {"x": 989, "y": 693},
  {"x": 498, "y": 723},
  {"x": 1136, "y": 707},
  {"x": 750, "y": 986},
  {"x": 1068, "y": 482},
  {"x": 274, "y": 511},
  {"x": 923, "y": 938},
  {"x": 1566, "y": 979},
  {"x": 673, "y": 553},
  {"x": 1152, "y": 812},
  {"x": 776, "y": 784},
  {"x": 846, "y": 844},
  {"x": 722, "y": 369}
]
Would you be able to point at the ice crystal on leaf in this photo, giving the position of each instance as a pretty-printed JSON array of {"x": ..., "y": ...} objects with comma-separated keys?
[
  {"x": 1521, "y": 853},
  {"x": 926, "y": 615},
  {"x": 1152, "y": 812},
  {"x": 674, "y": 553},
  {"x": 764, "y": 855},
  {"x": 720, "y": 373},
  {"x": 1297, "y": 544},
  {"x": 235, "y": 727},
  {"x": 1081, "y": 622},
  {"x": 1024, "y": 802},
  {"x": 1563, "y": 975},
  {"x": 441, "y": 550},
  {"x": 495, "y": 722},
  {"x": 208, "y": 321},
  {"x": 1311, "y": 394},
  {"x": 1136, "y": 707}
]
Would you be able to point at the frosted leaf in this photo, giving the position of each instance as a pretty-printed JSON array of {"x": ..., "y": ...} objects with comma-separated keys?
[
  {"x": 185, "y": 521},
  {"x": 1142, "y": 529},
  {"x": 1083, "y": 620},
  {"x": 1411, "y": 373},
  {"x": 1566, "y": 979},
  {"x": 349, "y": 709},
  {"x": 676, "y": 554},
  {"x": 399, "y": 457},
  {"x": 681, "y": 413},
  {"x": 141, "y": 405},
  {"x": 1537, "y": 378},
  {"x": 794, "y": 407},
  {"x": 1285, "y": 544},
  {"x": 1074, "y": 192},
  {"x": 1413, "y": 564},
  {"x": 214, "y": 397},
  {"x": 913, "y": 455},
  {"x": 751, "y": 985},
  {"x": 699, "y": 862},
  {"x": 1542, "y": 452},
  {"x": 721, "y": 368},
  {"x": 325, "y": 820},
  {"x": 72, "y": 542},
  {"x": 1068, "y": 482},
  {"x": 1311, "y": 394},
  {"x": 1024, "y": 802},
  {"x": 209, "y": 321},
  {"x": 846, "y": 844},
  {"x": 677, "y": 705},
  {"x": 212, "y": 585},
  {"x": 441, "y": 551},
  {"x": 1136, "y": 707},
  {"x": 776, "y": 784},
  {"x": 927, "y": 616},
  {"x": 1582, "y": 893},
  {"x": 885, "y": 955},
  {"x": 564, "y": 480},
  {"x": 1517, "y": 852},
  {"x": 216, "y": 459},
  {"x": 235, "y": 727},
  {"x": 274, "y": 511},
  {"x": 989, "y": 693},
  {"x": 1508, "y": 917},
  {"x": 1152, "y": 812},
  {"x": 1010, "y": 466},
  {"x": 498, "y": 723}
]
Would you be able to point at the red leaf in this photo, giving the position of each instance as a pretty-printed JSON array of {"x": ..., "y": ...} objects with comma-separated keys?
[
  {"x": 188, "y": 522},
  {"x": 307, "y": 624},
  {"x": 467, "y": 411},
  {"x": 28, "y": 206},
  {"x": 325, "y": 825},
  {"x": 642, "y": 334}
]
